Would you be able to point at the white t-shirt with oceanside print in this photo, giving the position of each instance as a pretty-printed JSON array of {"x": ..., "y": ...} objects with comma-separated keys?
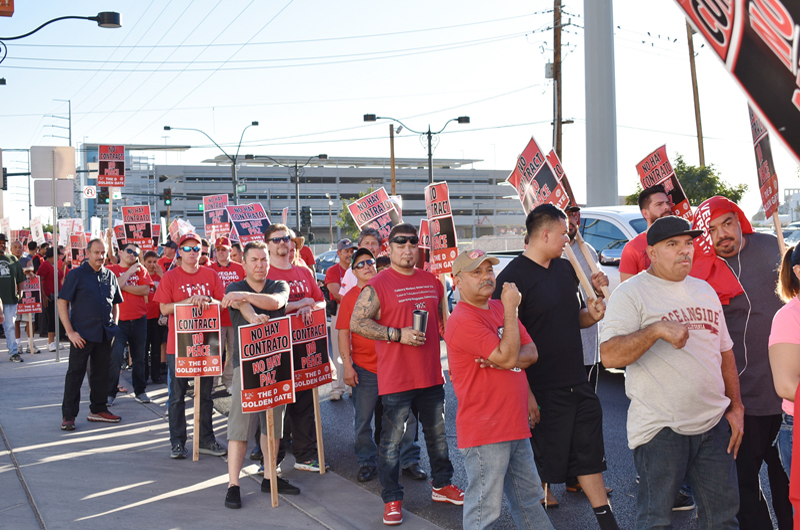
[{"x": 682, "y": 390}]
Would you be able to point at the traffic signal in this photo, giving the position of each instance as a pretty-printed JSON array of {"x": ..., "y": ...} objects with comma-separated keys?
[
  {"x": 305, "y": 216},
  {"x": 167, "y": 196},
  {"x": 5, "y": 179},
  {"x": 102, "y": 196}
]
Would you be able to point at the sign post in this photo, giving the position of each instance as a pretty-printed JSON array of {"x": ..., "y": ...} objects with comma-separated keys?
[{"x": 197, "y": 353}]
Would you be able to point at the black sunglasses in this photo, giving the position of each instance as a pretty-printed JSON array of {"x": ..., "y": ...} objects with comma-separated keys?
[
  {"x": 131, "y": 251},
  {"x": 366, "y": 263},
  {"x": 192, "y": 249},
  {"x": 277, "y": 240},
  {"x": 402, "y": 240}
]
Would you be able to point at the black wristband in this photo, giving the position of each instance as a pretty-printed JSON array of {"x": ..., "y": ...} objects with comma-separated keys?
[{"x": 388, "y": 334}]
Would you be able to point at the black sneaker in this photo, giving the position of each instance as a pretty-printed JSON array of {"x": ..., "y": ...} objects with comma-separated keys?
[
  {"x": 283, "y": 487},
  {"x": 15, "y": 358},
  {"x": 178, "y": 452},
  {"x": 213, "y": 449},
  {"x": 256, "y": 453},
  {"x": 233, "y": 499},
  {"x": 683, "y": 503}
]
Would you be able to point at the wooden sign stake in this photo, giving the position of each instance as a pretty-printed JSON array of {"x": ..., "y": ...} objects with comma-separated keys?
[
  {"x": 779, "y": 232},
  {"x": 587, "y": 285},
  {"x": 196, "y": 438},
  {"x": 318, "y": 425},
  {"x": 590, "y": 261},
  {"x": 29, "y": 330},
  {"x": 269, "y": 463}
]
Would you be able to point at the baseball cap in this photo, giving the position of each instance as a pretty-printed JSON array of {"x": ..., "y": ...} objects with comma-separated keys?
[
  {"x": 223, "y": 242},
  {"x": 670, "y": 226},
  {"x": 469, "y": 260},
  {"x": 361, "y": 252},
  {"x": 573, "y": 208},
  {"x": 3, "y": 237},
  {"x": 344, "y": 243},
  {"x": 188, "y": 236},
  {"x": 171, "y": 244}
]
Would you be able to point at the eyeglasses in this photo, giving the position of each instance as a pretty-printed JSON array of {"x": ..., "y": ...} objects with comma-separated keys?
[
  {"x": 132, "y": 252},
  {"x": 204, "y": 254},
  {"x": 191, "y": 249},
  {"x": 284, "y": 239},
  {"x": 402, "y": 240},
  {"x": 366, "y": 263}
]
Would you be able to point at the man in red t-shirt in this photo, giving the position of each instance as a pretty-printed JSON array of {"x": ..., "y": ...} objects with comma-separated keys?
[
  {"x": 188, "y": 284},
  {"x": 409, "y": 367},
  {"x": 46, "y": 274},
  {"x": 135, "y": 284},
  {"x": 306, "y": 254},
  {"x": 155, "y": 347},
  {"x": 228, "y": 272},
  {"x": 360, "y": 362},
  {"x": 654, "y": 204},
  {"x": 494, "y": 410},
  {"x": 333, "y": 281},
  {"x": 170, "y": 249},
  {"x": 304, "y": 296}
]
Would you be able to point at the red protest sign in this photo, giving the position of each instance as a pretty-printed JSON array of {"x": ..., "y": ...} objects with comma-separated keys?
[
  {"x": 77, "y": 248},
  {"x": 24, "y": 236},
  {"x": 111, "y": 166},
  {"x": 266, "y": 365},
  {"x": 757, "y": 41},
  {"x": 249, "y": 221},
  {"x": 197, "y": 352},
  {"x": 119, "y": 235},
  {"x": 215, "y": 214},
  {"x": 656, "y": 169},
  {"x": 535, "y": 180},
  {"x": 443, "y": 244},
  {"x": 376, "y": 211},
  {"x": 310, "y": 351},
  {"x": 767, "y": 179},
  {"x": 138, "y": 226},
  {"x": 561, "y": 176},
  {"x": 284, "y": 215},
  {"x": 31, "y": 301}
]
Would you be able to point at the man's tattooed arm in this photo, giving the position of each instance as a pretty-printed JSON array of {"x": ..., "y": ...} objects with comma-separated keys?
[{"x": 367, "y": 308}]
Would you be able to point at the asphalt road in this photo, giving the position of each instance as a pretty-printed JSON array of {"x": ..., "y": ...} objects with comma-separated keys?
[{"x": 574, "y": 511}]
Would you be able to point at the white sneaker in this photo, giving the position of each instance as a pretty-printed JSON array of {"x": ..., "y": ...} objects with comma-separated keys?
[{"x": 52, "y": 346}]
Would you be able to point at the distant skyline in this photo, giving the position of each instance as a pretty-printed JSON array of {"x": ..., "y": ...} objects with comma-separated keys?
[{"x": 309, "y": 70}]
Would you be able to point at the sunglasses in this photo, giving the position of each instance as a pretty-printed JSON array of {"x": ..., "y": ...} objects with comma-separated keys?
[
  {"x": 402, "y": 240},
  {"x": 204, "y": 254},
  {"x": 366, "y": 263},
  {"x": 192, "y": 249},
  {"x": 284, "y": 239},
  {"x": 132, "y": 252}
]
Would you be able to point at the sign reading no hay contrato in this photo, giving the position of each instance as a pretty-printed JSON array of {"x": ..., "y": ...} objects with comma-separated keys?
[{"x": 266, "y": 365}]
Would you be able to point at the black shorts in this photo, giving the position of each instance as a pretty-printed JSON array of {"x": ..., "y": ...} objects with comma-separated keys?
[{"x": 568, "y": 441}]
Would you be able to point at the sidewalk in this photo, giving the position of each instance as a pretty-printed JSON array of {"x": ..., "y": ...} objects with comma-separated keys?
[{"x": 118, "y": 476}]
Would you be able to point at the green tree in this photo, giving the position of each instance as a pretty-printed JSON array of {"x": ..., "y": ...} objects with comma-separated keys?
[
  {"x": 345, "y": 220},
  {"x": 699, "y": 183}
]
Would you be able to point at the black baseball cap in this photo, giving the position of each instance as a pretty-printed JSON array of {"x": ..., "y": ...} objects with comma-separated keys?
[
  {"x": 670, "y": 226},
  {"x": 361, "y": 252},
  {"x": 171, "y": 244},
  {"x": 573, "y": 208}
]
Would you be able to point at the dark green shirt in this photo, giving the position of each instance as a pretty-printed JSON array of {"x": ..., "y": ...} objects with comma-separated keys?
[{"x": 11, "y": 276}]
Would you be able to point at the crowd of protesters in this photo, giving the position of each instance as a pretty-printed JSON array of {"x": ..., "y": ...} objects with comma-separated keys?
[{"x": 711, "y": 354}]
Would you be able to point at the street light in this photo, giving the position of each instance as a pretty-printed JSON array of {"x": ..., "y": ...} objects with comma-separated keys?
[
  {"x": 428, "y": 134},
  {"x": 297, "y": 171},
  {"x": 233, "y": 159}
]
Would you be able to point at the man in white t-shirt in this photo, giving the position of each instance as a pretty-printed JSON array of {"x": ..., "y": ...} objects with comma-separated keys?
[{"x": 686, "y": 416}]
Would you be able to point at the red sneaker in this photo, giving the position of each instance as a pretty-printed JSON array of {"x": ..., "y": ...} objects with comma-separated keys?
[
  {"x": 450, "y": 494},
  {"x": 393, "y": 513},
  {"x": 106, "y": 417}
]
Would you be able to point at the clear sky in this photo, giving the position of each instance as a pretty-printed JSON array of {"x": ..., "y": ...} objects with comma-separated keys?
[{"x": 308, "y": 70}]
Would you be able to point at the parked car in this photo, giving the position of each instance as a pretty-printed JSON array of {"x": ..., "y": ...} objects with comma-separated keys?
[{"x": 325, "y": 261}]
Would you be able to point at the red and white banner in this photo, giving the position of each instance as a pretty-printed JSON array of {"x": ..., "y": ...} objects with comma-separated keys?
[
  {"x": 535, "y": 180},
  {"x": 656, "y": 169},
  {"x": 312, "y": 366},
  {"x": 111, "y": 162},
  {"x": 284, "y": 215},
  {"x": 77, "y": 248},
  {"x": 138, "y": 226},
  {"x": 249, "y": 221},
  {"x": 442, "y": 229},
  {"x": 31, "y": 301},
  {"x": 767, "y": 179},
  {"x": 757, "y": 41},
  {"x": 376, "y": 211},
  {"x": 266, "y": 368},
  {"x": 216, "y": 216},
  {"x": 424, "y": 256},
  {"x": 197, "y": 352}
]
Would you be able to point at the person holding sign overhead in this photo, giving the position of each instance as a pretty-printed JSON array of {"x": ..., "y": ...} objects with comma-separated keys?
[
  {"x": 188, "y": 284},
  {"x": 568, "y": 436},
  {"x": 253, "y": 300},
  {"x": 409, "y": 365},
  {"x": 304, "y": 296}
]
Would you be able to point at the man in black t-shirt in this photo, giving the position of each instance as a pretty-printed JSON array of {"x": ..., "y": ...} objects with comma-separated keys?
[
  {"x": 568, "y": 440},
  {"x": 251, "y": 301}
]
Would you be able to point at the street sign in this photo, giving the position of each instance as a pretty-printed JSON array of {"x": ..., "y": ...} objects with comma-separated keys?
[
  {"x": 116, "y": 193},
  {"x": 49, "y": 162},
  {"x": 89, "y": 192},
  {"x": 241, "y": 188},
  {"x": 43, "y": 192}
]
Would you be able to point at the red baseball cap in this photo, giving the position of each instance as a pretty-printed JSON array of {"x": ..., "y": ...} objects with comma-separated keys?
[
  {"x": 187, "y": 237},
  {"x": 223, "y": 242}
]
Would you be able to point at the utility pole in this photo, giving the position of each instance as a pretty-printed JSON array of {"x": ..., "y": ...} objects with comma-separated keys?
[
  {"x": 689, "y": 32},
  {"x": 557, "y": 75},
  {"x": 391, "y": 154}
]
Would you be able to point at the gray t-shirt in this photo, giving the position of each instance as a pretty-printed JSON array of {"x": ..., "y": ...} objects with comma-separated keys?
[
  {"x": 678, "y": 389},
  {"x": 591, "y": 348},
  {"x": 756, "y": 266},
  {"x": 278, "y": 288}
]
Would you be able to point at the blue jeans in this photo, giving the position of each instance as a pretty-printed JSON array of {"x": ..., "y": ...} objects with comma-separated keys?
[
  {"x": 10, "y": 313},
  {"x": 134, "y": 333},
  {"x": 664, "y": 461},
  {"x": 505, "y": 467},
  {"x": 365, "y": 397},
  {"x": 784, "y": 442},
  {"x": 396, "y": 410},
  {"x": 177, "y": 408}
]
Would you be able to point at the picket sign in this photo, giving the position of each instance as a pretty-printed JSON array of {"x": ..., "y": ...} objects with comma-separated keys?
[{"x": 767, "y": 179}]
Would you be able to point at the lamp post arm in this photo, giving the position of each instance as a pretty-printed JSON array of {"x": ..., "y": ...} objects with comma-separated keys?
[
  {"x": 240, "y": 144},
  {"x": 43, "y": 25},
  {"x": 401, "y": 123},
  {"x": 445, "y": 125},
  {"x": 233, "y": 161}
]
